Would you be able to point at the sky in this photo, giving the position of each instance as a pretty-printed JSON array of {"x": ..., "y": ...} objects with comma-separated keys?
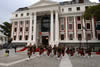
[{"x": 9, "y": 6}]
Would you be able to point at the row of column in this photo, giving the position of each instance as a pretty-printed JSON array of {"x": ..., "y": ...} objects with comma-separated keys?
[
  {"x": 84, "y": 31},
  {"x": 34, "y": 28},
  {"x": 51, "y": 41},
  {"x": 56, "y": 41}
]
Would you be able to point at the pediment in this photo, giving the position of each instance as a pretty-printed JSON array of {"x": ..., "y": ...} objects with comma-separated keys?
[{"x": 43, "y": 3}]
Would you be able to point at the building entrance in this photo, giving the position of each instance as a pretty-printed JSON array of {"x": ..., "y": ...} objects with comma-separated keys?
[
  {"x": 45, "y": 40},
  {"x": 45, "y": 29}
]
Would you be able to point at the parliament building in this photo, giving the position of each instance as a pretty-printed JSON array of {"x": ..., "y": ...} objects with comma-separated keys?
[{"x": 52, "y": 23}]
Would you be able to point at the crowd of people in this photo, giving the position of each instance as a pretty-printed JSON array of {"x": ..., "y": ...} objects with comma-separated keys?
[{"x": 57, "y": 50}]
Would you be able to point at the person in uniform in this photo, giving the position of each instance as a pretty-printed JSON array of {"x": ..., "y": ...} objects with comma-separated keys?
[
  {"x": 41, "y": 50},
  {"x": 71, "y": 52},
  {"x": 63, "y": 50},
  {"x": 29, "y": 52},
  {"x": 49, "y": 50},
  {"x": 82, "y": 54},
  {"x": 54, "y": 50},
  {"x": 67, "y": 51},
  {"x": 34, "y": 49},
  {"x": 59, "y": 51}
]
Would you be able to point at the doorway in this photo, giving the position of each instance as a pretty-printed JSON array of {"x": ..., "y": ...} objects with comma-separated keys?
[{"x": 45, "y": 40}]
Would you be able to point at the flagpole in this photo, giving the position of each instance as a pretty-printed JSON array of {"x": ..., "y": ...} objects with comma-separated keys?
[{"x": 86, "y": 36}]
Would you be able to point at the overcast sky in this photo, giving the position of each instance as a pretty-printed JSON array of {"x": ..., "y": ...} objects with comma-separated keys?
[{"x": 9, "y": 6}]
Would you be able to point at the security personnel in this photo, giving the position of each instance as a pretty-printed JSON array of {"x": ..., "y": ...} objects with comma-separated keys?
[
  {"x": 67, "y": 51},
  {"x": 63, "y": 50},
  {"x": 54, "y": 49},
  {"x": 34, "y": 49},
  {"x": 59, "y": 51},
  {"x": 49, "y": 50}
]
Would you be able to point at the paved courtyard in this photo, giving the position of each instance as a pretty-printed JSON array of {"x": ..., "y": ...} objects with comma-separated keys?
[{"x": 21, "y": 60}]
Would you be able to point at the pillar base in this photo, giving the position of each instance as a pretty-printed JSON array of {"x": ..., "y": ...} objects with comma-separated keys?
[
  {"x": 56, "y": 43},
  {"x": 51, "y": 43}
]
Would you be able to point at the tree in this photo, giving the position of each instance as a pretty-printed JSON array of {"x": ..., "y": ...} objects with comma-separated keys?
[
  {"x": 5, "y": 28},
  {"x": 92, "y": 11}
]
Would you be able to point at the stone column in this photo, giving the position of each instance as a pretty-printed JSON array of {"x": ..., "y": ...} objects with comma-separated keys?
[
  {"x": 30, "y": 28},
  {"x": 52, "y": 30},
  {"x": 84, "y": 30},
  {"x": 23, "y": 31},
  {"x": 56, "y": 28},
  {"x": 34, "y": 31},
  {"x": 66, "y": 29},
  {"x": 17, "y": 38},
  {"x": 75, "y": 34},
  {"x": 93, "y": 28}
]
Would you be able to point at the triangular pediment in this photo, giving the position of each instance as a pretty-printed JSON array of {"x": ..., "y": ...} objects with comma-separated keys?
[{"x": 43, "y": 3}]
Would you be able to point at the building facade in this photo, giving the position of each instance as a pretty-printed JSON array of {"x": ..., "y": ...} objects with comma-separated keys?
[
  {"x": 3, "y": 39},
  {"x": 53, "y": 23}
]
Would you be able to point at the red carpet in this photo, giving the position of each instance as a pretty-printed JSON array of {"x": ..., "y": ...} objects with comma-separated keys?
[
  {"x": 37, "y": 50},
  {"x": 22, "y": 49},
  {"x": 98, "y": 53}
]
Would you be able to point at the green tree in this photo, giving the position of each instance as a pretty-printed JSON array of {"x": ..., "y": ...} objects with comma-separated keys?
[
  {"x": 5, "y": 28},
  {"x": 92, "y": 11}
]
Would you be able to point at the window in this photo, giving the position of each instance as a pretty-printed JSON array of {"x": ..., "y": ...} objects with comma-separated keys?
[
  {"x": 78, "y": 8},
  {"x": 86, "y": 7},
  {"x": 32, "y": 37},
  {"x": 62, "y": 23},
  {"x": 62, "y": 36},
  {"x": 79, "y": 26},
  {"x": 32, "y": 28},
  {"x": 21, "y": 22},
  {"x": 15, "y": 23},
  {"x": 70, "y": 36},
  {"x": 14, "y": 37},
  {"x": 70, "y": 19},
  {"x": 62, "y": 26},
  {"x": 16, "y": 15},
  {"x": 81, "y": 1},
  {"x": 26, "y": 28},
  {"x": 27, "y": 14},
  {"x": 21, "y": 29},
  {"x": 79, "y": 37},
  {"x": 70, "y": 26},
  {"x": 78, "y": 18},
  {"x": 27, "y": 22},
  {"x": 88, "y": 36},
  {"x": 98, "y": 36},
  {"x": 62, "y": 10},
  {"x": 20, "y": 37},
  {"x": 15, "y": 29},
  {"x": 32, "y": 21},
  {"x": 22, "y": 14},
  {"x": 26, "y": 37},
  {"x": 69, "y": 9},
  {"x": 88, "y": 25}
]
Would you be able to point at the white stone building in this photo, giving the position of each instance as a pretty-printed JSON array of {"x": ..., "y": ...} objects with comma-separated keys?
[
  {"x": 50, "y": 22},
  {"x": 3, "y": 39}
]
